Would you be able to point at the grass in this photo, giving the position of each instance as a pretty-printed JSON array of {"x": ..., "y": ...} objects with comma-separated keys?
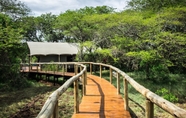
[
  {"x": 29, "y": 101},
  {"x": 176, "y": 85}
]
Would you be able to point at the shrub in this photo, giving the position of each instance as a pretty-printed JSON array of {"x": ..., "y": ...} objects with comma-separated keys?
[{"x": 167, "y": 95}]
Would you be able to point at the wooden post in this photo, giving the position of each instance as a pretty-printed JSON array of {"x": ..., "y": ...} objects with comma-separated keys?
[
  {"x": 54, "y": 68},
  {"x": 41, "y": 67},
  {"x": 90, "y": 68},
  {"x": 110, "y": 75},
  {"x": 46, "y": 68},
  {"x": 29, "y": 59},
  {"x": 76, "y": 94},
  {"x": 37, "y": 67},
  {"x": 56, "y": 111},
  {"x": 76, "y": 99},
  {"x": 100, "y": 67},
  {"x": 75, "y": 69},
  {"x": 86, "y": 77},
  {"x": 118, "y": 83},
  {"x": 57, "y": 70},
  {"x": 59, "y": 58},
  {"x": 149, "y": 109},
  {"x": 63, "y": 69},
  {"x": 126, "y": 103},
  {"x": 54, "y": 80},
  {"x": 84, "y": 83}
]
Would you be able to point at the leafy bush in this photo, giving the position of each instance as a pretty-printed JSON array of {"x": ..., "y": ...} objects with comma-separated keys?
[{"x": 167, "y": 95}]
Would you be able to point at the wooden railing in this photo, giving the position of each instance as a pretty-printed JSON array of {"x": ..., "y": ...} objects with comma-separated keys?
[
  {"x": 151, "y": 98},
  {"x": 50, "y": 107}
]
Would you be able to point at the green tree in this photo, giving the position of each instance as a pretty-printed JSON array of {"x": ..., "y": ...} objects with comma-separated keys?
[
  {"x": 13, "y": 8},
  {"x": 45, "y": 24},
  {"x": 11, "y": 48},
  {"x": 154, "y": 5}
]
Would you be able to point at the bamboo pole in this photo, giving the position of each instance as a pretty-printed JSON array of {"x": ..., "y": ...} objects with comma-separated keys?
[
  {"x": 126, "y": 106},
  {"x": 118, "y": 83},
  {"x": 149, "y": 109}
]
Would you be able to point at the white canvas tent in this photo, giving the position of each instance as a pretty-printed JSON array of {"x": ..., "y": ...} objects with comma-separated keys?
[{"x": 56, "y": 52}]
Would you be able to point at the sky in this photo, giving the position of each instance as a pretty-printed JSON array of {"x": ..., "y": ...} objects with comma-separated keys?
[{"x": 56, "y": 7}]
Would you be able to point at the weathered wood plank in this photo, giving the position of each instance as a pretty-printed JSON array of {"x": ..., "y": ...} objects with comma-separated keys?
[{"x": 101, "y": 101}]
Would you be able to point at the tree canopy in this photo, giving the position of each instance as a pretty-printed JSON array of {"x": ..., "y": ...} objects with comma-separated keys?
[{"x": 148, "y": 36}]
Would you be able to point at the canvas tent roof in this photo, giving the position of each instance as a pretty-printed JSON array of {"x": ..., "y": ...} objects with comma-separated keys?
[{"x": 48, "y": 48}]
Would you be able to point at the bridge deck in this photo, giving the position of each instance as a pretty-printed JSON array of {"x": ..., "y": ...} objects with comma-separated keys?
[{"x": 101, "y": 101}]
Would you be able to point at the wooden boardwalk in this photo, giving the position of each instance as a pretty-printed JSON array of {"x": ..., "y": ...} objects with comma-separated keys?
[{"x": 101, "y": 101}]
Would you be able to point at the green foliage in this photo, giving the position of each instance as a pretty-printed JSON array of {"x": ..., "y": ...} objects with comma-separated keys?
[
  {"x": 167, "y": 95},
  {"x": 154, "y": 5},
  {"x": 12, "y": 50},
  {"x": 14, "y": 8}
]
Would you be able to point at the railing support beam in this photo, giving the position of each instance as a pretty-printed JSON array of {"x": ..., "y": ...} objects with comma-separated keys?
[
  {"x": 126, "y": 103},
  {"x": 91, "y": 68},
  {"x": 76, "y": 93},
  {"x": 56, "y": 111},
  {"x": 149, "y": 109},
  {"x": 84, "y": 83},
  {"x": 110, "y": 75},
  {"x": 100, "y": 71},
  {"x": 118, "y": 83}
]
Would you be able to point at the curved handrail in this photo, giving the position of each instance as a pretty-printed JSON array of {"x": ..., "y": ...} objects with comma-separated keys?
[
  {"x": 151, "y": 98},
  {"x": 51, "y": 103}
]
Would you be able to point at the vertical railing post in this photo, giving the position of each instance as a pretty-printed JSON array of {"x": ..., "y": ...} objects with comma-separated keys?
[
  {"x": 37, "y": 67},
  {"x": 29, "y": 59},
  {"x": 84, "y": 85},
  {"x": 126, "y": 104},
  {"x": 118, "y": 83},
  {"x": 65, "y": 67},
  {"x": 58, "y": 65},
  {"x": 75, "y": 71},
  {"x": 100, "y": 67},
  {"x": 41, "y": 67},
  {"x": 110, "y": 75},
  {"x": 91, "y": 68},
  {"x": 149, "y": 109},
  {"x": 56, "y": 111},
  {"x": 82, "y": 81},
  {"x": 53, "y": 67},
  {"x": 86, "y": 76},
  {"x": 76, "y": 94}
]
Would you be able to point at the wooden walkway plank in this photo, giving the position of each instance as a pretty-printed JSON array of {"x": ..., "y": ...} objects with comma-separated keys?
[{"x": 101, "y": 101}]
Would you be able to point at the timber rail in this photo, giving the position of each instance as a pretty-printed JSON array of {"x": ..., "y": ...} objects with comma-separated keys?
[{"x": 50, "y": 107}]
